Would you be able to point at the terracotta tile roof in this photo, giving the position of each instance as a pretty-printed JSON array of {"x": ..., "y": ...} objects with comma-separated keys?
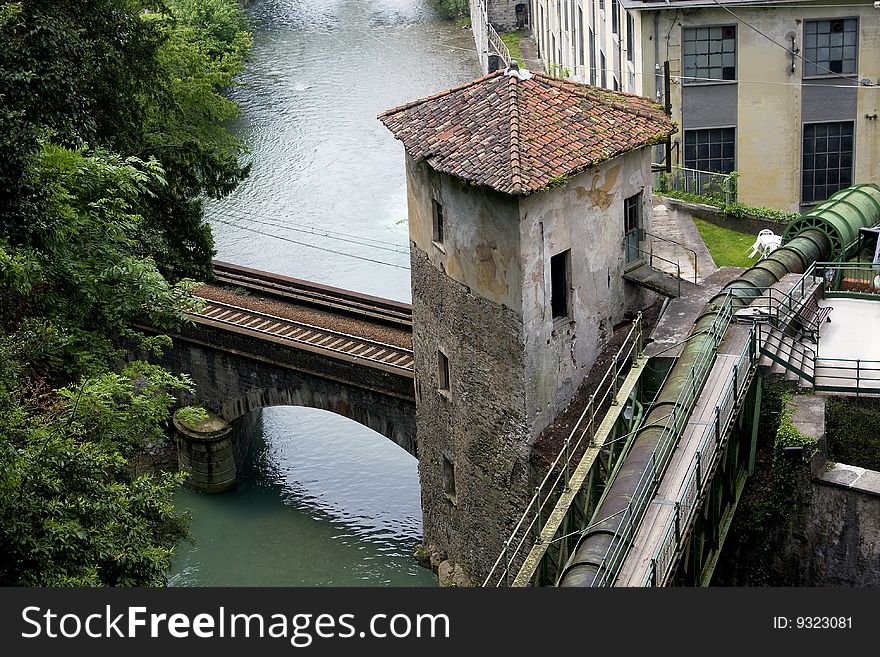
[{"x": 519, "y": 136}]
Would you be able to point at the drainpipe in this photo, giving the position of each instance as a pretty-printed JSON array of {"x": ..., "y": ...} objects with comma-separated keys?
[{"x": 659, "y": 150}]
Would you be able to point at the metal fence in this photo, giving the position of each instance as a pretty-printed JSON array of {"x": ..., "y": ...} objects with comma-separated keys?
[
  {"x": 718, "y": 186},
  {"x": 686, "y": 503},
  {"x": 528, "y": 529},
  {"x": 612, "y": 561}
]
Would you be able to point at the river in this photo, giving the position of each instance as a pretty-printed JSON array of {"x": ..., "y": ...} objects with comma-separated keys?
[{"x": 322, "y": 500}]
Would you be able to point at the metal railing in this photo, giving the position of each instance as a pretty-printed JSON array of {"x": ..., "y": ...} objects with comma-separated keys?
[
  {"x": 719, "y": 186},
  {"x": 496, "y": 42},
  {"x": 651, "y": 257},
  {"x": 609, "y": 567},
  {"x": 686, "y": 503},
  {"x": 528, "y": 528},
  {"x": 847, "y": 375},
  {"x": 679, "y": 245},
  {"x": 793, "y": 348}
]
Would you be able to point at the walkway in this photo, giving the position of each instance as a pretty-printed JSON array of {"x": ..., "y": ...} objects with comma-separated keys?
[
  {"x": 530, "y": 57},
  {"x": 678, "y": 226}
]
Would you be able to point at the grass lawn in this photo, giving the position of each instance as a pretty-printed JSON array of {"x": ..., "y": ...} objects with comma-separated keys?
[
  {"x": 511, "y": 40},
  {"x": 729, "y": 248}
]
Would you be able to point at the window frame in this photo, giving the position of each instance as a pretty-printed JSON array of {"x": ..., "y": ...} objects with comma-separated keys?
[
  {"x": 449, "y": 478},
  {"x": 437, "y": 223},
  {"x": 813, "y": 170},
  {"x": 689, "y": 80},
  {"x": 563, "y": 271},
  {"x": 685, "y": 145},
  {"x": 443, "y": 376},
  {"x": 828, "y": 74}
]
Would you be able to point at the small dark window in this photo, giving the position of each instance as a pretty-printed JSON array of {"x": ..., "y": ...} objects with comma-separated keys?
[
  {"x": 437, "y": 221},
  {"x": 630, "y": 37},
  {"x": 442, "y": 371},
  {"x": 559, "y": 275},
  {"x": 449, "y": 478}
]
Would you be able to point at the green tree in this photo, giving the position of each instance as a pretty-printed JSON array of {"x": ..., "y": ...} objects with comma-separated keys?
[
  {"x": 71, "y": 513},
  {"x": 135, "y": 78}
]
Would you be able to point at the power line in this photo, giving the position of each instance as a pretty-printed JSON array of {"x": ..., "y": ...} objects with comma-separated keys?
[
  {"x": 323, "y": 232},
  {"x": 781, "y": 45},
  {"x": 348, "y": 239},
  {"x": 311, "y": 246}
]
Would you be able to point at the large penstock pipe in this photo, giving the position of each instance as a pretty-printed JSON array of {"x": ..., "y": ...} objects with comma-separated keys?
[{"x": 828, "y": 233}]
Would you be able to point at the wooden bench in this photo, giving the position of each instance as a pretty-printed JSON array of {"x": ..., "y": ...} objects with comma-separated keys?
[{"x": 810, "y": 317}]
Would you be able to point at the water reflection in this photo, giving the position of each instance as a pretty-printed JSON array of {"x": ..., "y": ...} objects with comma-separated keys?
[
  {"x": 328, "y": 180},
  {"x": 315, "y": 507}
]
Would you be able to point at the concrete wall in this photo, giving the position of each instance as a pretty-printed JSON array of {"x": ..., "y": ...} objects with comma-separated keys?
[
  {"x": 836, "y": 539},
  {"x": 502, "y": 13},
  {"x": 770, "y": 101},
  {"x": 586, "y": 217}
]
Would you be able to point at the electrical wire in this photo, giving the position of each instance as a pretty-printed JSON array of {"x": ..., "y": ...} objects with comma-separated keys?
[
  {"x": 781, "y": 45},
  {"x": 311, "y": 246},
  {"x": 233, "y": 214}
]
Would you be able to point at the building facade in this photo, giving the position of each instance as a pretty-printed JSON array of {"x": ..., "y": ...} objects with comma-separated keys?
[
  {"x": 589, "y": 41},
  {"x": 787, "y": 96},
  {"x": 520, "y": 193}
]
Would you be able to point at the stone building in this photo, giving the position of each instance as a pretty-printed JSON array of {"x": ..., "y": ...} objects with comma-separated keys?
[{"x": 521, "y": 190}]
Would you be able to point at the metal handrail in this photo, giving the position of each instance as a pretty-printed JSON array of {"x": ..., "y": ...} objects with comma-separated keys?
[
  {"x": 863, "y": 373},
  {"x": 694, "y": 181},
  {"x": 651, "y": 257},
  {"x": 693, "y": 486},
  {"x": 530, "y": 519},
  {"x": 679, "y": 244},
  {"x": 611, "y": 562},
  {"x": 498, "y": 43}
]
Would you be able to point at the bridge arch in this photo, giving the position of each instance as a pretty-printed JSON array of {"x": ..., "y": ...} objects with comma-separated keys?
[{"x": 314, "y": 397}]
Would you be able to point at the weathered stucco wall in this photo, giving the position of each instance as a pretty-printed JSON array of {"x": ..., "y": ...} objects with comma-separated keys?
[
  {"x": 586, "y": 216},
  {"x": 481, "y": 241},
  {"x": 770, "y": 110}
]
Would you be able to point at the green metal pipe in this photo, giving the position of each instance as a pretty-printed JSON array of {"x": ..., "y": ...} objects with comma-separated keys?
[{"x": 823, "y": 237}]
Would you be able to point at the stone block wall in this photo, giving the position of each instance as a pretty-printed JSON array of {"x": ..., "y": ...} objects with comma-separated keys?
[{"x": 479, "y": 426}]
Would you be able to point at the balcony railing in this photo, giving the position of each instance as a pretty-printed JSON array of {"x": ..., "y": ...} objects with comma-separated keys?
[{"x": 720, "y": 187}]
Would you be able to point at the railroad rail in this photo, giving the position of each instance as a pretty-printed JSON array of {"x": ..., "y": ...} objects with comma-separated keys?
[
  {"x": 355, "y": 304},
  {"x": 390, "y": 358}
]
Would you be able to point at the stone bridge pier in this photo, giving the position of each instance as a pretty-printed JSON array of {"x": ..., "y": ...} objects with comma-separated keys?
[{"x": 236, "y": 374}]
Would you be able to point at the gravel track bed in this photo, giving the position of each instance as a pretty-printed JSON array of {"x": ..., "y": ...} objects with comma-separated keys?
[{"x": 351, "y": 326}]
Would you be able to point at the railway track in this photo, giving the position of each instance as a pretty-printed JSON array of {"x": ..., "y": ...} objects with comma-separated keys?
[
  {"x": 314, "y": 338},
  {"x": 363, "y": 306}
]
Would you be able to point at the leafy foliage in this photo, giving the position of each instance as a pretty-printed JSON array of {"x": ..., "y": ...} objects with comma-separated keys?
[
  {"x": 133, "y": 80},
  {"x": 110, "y": 135},
  {"x": 453, "y": 8}
]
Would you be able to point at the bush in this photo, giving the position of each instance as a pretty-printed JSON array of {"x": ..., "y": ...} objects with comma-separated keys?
[{"x": 454, "y": 8}]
